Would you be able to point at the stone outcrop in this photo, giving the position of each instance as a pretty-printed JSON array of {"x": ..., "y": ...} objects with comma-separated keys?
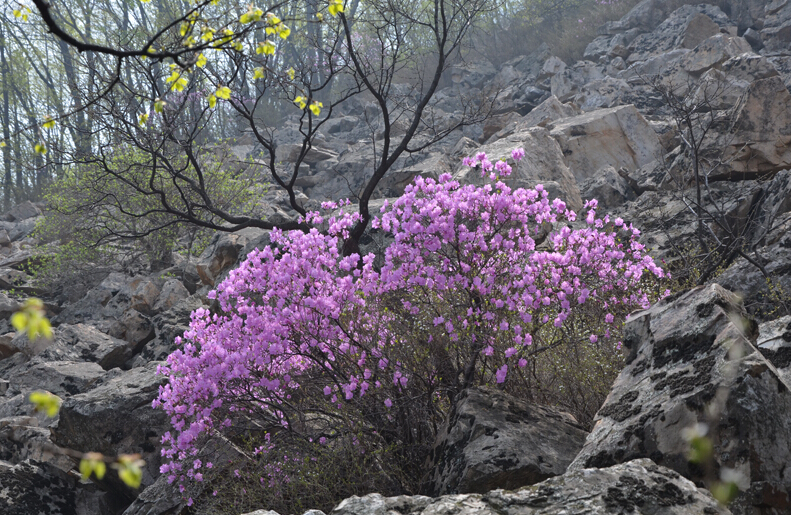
[
  {"x": 692, "y": 360},
  {"x": 639, "y": 486},
  {"x": 116, "y": 418},
  {"x": 617, "y": 137},
  {"x": 545, "y": 164},
  {"x": 493, "y": 440}
]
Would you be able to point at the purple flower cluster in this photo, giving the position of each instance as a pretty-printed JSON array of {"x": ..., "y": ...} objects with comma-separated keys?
[{"x": 465, "y": 274}]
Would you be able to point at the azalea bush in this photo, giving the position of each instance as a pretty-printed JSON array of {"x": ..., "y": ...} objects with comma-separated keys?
[{"x": 482, "y": 285}]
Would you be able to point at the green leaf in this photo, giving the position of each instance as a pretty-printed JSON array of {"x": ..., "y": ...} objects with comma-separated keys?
[
  {"x": 130, "y": 469},
  {"x": 336, "y": 6},
  {"x": 725, "y": 492},
  {"x": 92, "y": 463},
  {"x": 46, "y": 402}
]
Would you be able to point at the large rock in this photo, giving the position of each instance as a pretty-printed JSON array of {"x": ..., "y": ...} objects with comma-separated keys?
[
  {"x": 493, "y": 440},
  {"x": 692, "y": 361},
  {"x": 23, "y": 211},
  {"x": 639, "y": 487},
  {"x": 543, "y": 163},
  {"x": 83, "y": 342},
  {"x": 774, "y": 342},
  {"x": 63, "y": 378},
  {"x": 609, "y": 188},
  {"x": 760, "y": 140},
  {"x": 117, "y": 418},
  {"x": 160, "y": 498},
  {"x": 222, "y": 253},
  {"x": 567, "y": 83},
  {"x": 133, "y": 327},
  {"x": 167, "y": 325},
  {"x": 686, "y": 27},
  {"x": 30, "y": 489},
  {"x": 617, "y": 137}
]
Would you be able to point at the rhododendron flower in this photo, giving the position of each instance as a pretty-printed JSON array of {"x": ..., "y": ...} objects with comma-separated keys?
[{"x": 459, "y": 295}]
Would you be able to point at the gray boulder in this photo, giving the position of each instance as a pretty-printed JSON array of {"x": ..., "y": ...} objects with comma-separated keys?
[
  {"x": 116, "y": 418},
  {"x": 159, "y": 498},
  {"x": 493, "y": 440},
  {"x": 774, "y": 342},
  {"x": 542, "y": 164},
  {"x": 608, "y": 187},
  {"x": 23, "y": 211},
  {"x": 639, "y": 486},
  {"x": 83, "y": 342},
  {"x": 692, "y": 361},
  {"x": 617, "y": 137}
]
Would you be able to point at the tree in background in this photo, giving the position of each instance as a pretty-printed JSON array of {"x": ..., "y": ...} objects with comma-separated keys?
[{"x": 172, "y": 81}]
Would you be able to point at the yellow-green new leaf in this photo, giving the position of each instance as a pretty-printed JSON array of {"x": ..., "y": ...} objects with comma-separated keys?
[
  {"x": 336, "y": 6},
  {"x": 301, "y": 102},
  {"x": 212, "y": 101},
  {"x": 159, "y": 106},
  {"x": 92, "y": 463},
  {"x": 130, "y": 469},
  {"x": 143, "y": 119},
  {"x": 315, "y": 108},
  {"x": 46, "y": 402},
  {"x": 40, "y": 148},
  {"x": 201, "y": 62},
  {"x": 266, "y": 48},
  {"x": 223, "y": 92},
  {"x": 48, "y": 122},
  {"x": 291, "y": 73},
  {"x": 258, "y": 73}
]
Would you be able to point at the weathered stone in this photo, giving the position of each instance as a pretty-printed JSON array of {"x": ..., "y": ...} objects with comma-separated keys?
[
  {"x": 472, "y": 74},
  {"x": 168, "y": 325},
  {"x": 774, "y": 342},
  {"x": 159, "y": 498},
  {"x": 543, "y": 162},
  {"x": 685, "y": 27},
  {"x": 30, "y": 489},
  {"x": 639, "y": 486},
  {"x": 223, "y": 252},
  {"x": 172, "y": 292},
  {"x": 23, "y": 211},
  {"x": 713, "y": 52},
  {"x": 692, "y": 361},
  {"x": 133, "y": 327},
  {"x": 83, "y": 342},
  {"x": 617, "y": 137},
  {"x": 493, "y": 440},
  {"x": 552, "y": 66},
  {"x": 608, "y": 187},
  {"x": 62, "y": 378},
  {"x": 116, "y": 418},
  {"x": 598, "y": 94},
  {"x": 144, "y": 295},
  {"x": 567, "y": 83}
]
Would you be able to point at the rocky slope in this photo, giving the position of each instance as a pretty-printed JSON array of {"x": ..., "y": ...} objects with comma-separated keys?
[{"x": 604, "y": 127}]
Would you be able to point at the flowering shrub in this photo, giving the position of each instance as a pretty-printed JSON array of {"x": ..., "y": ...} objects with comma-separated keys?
[{"x": 479, "y": 284}]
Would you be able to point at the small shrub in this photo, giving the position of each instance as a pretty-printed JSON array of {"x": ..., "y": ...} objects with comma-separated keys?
[{"x": 308, "y": 345}]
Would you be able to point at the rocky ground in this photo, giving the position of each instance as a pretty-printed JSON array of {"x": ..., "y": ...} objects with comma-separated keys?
[{"x": 598, "y": 128}]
